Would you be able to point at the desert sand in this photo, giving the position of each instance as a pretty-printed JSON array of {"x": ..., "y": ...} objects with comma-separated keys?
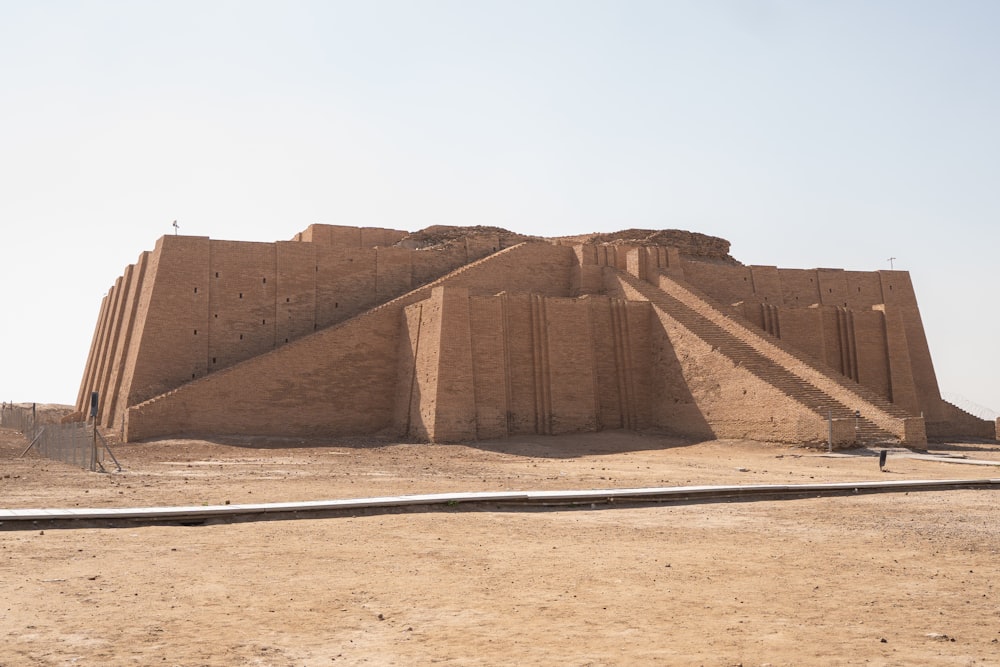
[{"x": 887, "y": 579}]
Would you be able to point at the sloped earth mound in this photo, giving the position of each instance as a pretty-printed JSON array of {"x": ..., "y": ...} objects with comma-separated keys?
[
  {"x": 690, "y": 244},
  {"x": 440, "y": 235}
]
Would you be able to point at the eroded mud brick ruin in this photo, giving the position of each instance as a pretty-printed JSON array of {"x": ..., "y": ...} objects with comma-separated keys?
[{"x": 454, "y": 334}]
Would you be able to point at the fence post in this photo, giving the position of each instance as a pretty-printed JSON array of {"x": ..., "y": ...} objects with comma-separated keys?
[
  {"x": 829, "y": 439},
  {"x": 93, "y": 446}
]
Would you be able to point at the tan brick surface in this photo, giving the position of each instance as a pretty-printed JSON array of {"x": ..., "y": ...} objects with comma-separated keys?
[{"x": 341, "y": 331}]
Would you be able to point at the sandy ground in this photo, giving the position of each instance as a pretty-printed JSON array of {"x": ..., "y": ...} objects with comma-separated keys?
[{"x": 890, "y": 579}]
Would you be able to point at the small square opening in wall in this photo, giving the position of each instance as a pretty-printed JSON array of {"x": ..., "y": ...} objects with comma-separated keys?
[
  {"x": 216, "y": 274},
  {"x": 241, "y": 295},
  {"x": 195, "y": 332},
  {"x": 195, "y": 290},
  {"x": 213, "y": 360},
  {"x": 241, "y": 336},
  {"x": 264, "y": 280},
  {"x": 216, "y": 316},
  {"x": 263, "y": 321}
]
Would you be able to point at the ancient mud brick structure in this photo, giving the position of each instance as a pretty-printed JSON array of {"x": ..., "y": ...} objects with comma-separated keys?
[{"x": 454, "y": 334}]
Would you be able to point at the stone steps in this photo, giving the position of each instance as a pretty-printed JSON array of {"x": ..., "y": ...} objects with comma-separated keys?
[
  {"x": 412, "y": 296},
  {"x": 753, "y": 337},
  {"x": 798, "y": 378}
]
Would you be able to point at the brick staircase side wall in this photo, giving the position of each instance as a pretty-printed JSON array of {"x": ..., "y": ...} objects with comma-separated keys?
[
  {"x": 90, "y": 370},
  {"x": 826, "y": 392},
  {"x": 955, "y": 422},
  {"x": 699, "y": 392},
  {"x": 416, "y": 384},
  {"x": 798, "y": 364},
  {"x": 244, "y": 299},
  {"x": 338, "y": 381},
  {"x": 454, "y": 415},
  {"x": 910, "y": 377}
]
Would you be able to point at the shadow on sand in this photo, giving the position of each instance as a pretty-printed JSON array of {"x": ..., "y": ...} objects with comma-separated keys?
[{"x": 565, "y": 446}]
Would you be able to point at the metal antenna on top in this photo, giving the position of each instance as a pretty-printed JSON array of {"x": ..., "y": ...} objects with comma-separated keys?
[
  {"x": 176, "y": 227},
  {"x": 890, "y": 260}
]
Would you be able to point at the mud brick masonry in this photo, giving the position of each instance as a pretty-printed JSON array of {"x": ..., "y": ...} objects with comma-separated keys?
[{"x": 453, "y": 334}]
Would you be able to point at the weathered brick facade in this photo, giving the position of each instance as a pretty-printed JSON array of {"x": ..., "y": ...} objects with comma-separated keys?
[{"x": 351, "y": 331}]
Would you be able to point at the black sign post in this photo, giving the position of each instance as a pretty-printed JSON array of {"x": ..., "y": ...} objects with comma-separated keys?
[{"x": 93, "y": 413}]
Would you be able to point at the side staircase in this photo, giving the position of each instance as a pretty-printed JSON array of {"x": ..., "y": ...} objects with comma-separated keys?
[
  {"x": 802, "y": 379},
  {"x": 398, "y": 303}
]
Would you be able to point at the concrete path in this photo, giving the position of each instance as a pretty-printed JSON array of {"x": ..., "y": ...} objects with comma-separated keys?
[{"x": 28, "y": 519}]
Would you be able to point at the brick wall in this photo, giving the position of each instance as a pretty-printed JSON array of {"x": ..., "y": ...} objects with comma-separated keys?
[
  {"x": 488, "y": 331},
  {"x": 950, "y": 420},
  {"x": 901, "y": 302},
  {"x": 336, "y": 381},
  {"x": 198, "y": 305},
  {"x": 870, "y": 351},
  {"x": 488, "y": 367},
  {"x": 111, "y": 396},
  {"x": 522, "y": 355},
  {"x": 867, "y": 326},
  {"x": 295, "y": 291},
  {"x": 455, "y": 409},
  {"x": 799, "y": 288},
  {"x": 176, "y": 349},
  {"x": 699, "y": 392},
  {"x": 501, "y": 349},
  {"x": 425, "y": 339},
  {"x": 131, "y": 353},
  {"x": 241, "y": 318},
  {"x": 340, "y": 380},
  {"x": 726, "y": 284},
  {"x": 568, "y": 356},
  {"x": 350, "y": 237}
]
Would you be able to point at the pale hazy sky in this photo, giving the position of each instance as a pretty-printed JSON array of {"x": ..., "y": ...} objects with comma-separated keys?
[{"x": 809, "y": 134}]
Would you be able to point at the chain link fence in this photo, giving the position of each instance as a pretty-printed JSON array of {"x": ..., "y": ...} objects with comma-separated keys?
[{"x": 75, "y": 443}]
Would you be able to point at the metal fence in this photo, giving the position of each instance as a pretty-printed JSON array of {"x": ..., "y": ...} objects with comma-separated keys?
[
  {"x": 974, "y": 409},
  {"x": 74, "y": 443}
]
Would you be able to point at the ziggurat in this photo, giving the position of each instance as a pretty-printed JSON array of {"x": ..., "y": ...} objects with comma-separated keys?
[{"x": 455, "y": 334}]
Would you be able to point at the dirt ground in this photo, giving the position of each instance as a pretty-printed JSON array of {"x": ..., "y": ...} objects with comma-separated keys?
[{"x": 888, "y": 579}]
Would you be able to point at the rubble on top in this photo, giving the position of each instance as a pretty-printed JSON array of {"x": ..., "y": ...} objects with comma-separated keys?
[{"x": 690, "y": 244}]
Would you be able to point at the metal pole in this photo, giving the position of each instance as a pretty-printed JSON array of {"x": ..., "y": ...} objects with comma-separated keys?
[
  {"x": 93, "y": 446},
  {"x": 829, "y": 438},
  {"x": 93, "y": 450},
  {"x": 32, "y": 444},
  {"x": 108, "y": 450}
]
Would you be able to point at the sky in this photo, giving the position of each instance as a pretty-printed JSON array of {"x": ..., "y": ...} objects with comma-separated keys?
[{"x": 834, "y": 133}]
